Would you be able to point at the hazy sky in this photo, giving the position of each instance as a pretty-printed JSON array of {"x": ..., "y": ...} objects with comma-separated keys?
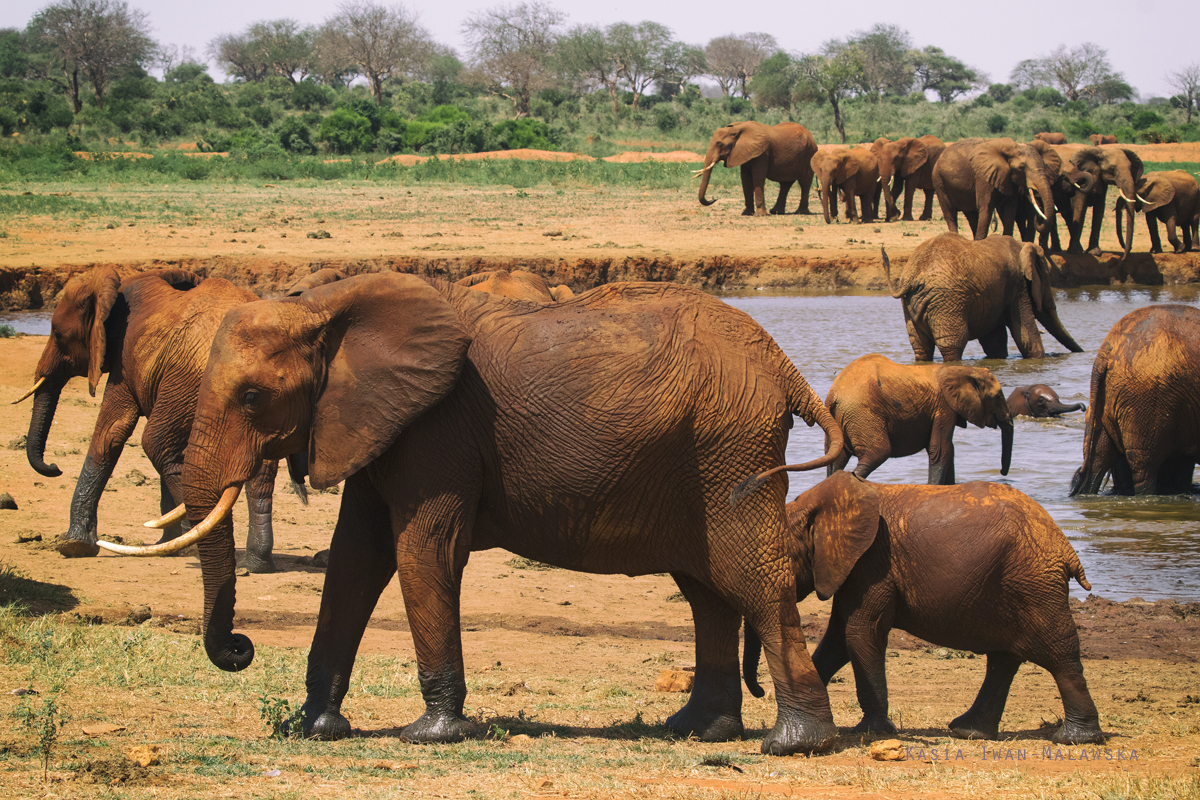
[{"x": 1136, "y": 33}]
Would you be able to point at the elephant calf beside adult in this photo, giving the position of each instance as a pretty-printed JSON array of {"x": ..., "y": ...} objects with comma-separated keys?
[
  {"x": 954, "y": 290},
  {"x": 1039, "y": 400},
  {"x": 907, "y": 164},
  {"x": 780, "y": 153}
]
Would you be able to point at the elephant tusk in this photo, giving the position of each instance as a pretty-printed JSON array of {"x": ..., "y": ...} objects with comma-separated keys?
[
  {"x": 1123, "y": 197},
  {"x": 214, "y": 518},
  {"x": 1080, "y": 188},
  {"x": 37, "y": 385},
  {"x": 1036, "y": 207},
  {"x": 696, "y": 173},
  {"x": 170, "y": 518},
  {"x": 1139, "y": 197}
]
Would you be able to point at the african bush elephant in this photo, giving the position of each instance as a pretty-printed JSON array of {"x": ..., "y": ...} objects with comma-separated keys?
[
  {"x": 604, "y": 434},
  {"x": 1051, "y": 138},
  {"x": 518, "y": 284},
  {"x": 954, "y": 290},
  {"x": 979, "y": 567},
  {"x": 780, "y": 153},
  {"x": 1098, "y": 139},
  {"x": 1039, "y": 400},
  {"x": 1141, "y": 418},
  {"x": 907, "y": 164},
  {"x": 979, "y": 176},
  {"x": 888, "y": 410},
  {"x": 151, "y": 333},
  {"x": 853, "y": 171},
  {"x": 1070, "y": 187},
  {"x": 1171, "y": 197},
  {"x": 1109, "y": 166}
]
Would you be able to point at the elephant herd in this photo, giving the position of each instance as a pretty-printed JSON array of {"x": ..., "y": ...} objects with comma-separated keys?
[
  {"x": 633, "y": 428},
  {"x": 1024, "y": 186}
]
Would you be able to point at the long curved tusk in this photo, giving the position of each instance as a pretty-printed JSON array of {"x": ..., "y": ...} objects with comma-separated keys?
[
  {"x": 214, "y": 518},
  {"x": 696, "y": 173},
  {"x": 1036, "y": 207},
  {"x": 1123, "y": 197},
  {"x": 170, "y": 518},
  {"x": 1139, "y": 197},
  {"x": 36, "y": 386}
]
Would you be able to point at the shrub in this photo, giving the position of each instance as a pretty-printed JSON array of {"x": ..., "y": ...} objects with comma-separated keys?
[
  {"x": 295, "y": 137},
  {"x": 1047, "y": 97},
  {"x": 1000, "y": 92},
  {"x": 1145, "y": 118},
  {"x": 308, "y": 96},
  {"x": 983, "y": 101},
  {"x": 996, "y": 123},
  {"x": 514, "y": 134},
  {"x": 261, "y": 115},
  {"x": 345, "y": 132},
  {"x": 665, "y": 118}
]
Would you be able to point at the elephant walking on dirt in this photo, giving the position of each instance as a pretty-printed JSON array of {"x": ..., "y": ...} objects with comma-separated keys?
[
  {"x": 605, "y": 434},
  {"x": 954, "y": 290},
  {"x": 1108, "y": 166},
  {"x": 979, "y": 567},
  {"x": 1143, "y": 418},
  {"x": 779, "y": 153},
  {"x": 979, "y": 177},
  {"x": 888, "y": 410},
  {"x": 855, "y": 173},
  {"x": 1171, "y": 197},
  {"x": 151, "y": 333},
  {"x": 907, "y": 164}
]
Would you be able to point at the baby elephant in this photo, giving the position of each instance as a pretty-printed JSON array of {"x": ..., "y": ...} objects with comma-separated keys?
[
  {"x": 977, "y": 567},
  {"x": 888, "y": 409},
  {"x": 1039, "y": 400}
]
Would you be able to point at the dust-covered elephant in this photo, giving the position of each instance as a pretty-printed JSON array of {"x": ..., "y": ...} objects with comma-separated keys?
[
  {"x": 1039, "y": 400},
  {"x": 954, "y": 290},
  {"x": 1142, "y": 421},
  {"x": 518, "y": 284},
  {"x": 854, "y": 172},
  {"x": 151, "y": 333},
  {"x": 1109, "y": 166},
  {"x": 779, "y": 153},
  {"x": 1071, "y": 187},
  {"x": 979, "y": 177},
  {"x": 606, "y": 434},
  {"x": 1172, "y": 198},
  {"x": 1098, "y": 139},
  {"x": 1051, "y": 138},
  {"x": 889, "y": 410},
  {"x": 907, "y": 164},
  {"x": 978, "y": 567}
]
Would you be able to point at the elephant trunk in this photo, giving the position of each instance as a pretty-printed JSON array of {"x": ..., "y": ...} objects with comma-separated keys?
[
  {"x": 1044, "y": 215},
  {"x": 1054, "y": 407},
  {"x": 825, "y": 200},
  {"x": 1054, "y": 327},
  {"x": 1127, "y": 245},
  {"x": 704, "y": 201},
  {"x": 227, "y": 650},
  {"x": 1006, "y": 443},
  {"x": 45, "y": 403}
]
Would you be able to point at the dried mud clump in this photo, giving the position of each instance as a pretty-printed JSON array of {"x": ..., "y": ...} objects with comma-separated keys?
[{"x": 114, "y": 772}]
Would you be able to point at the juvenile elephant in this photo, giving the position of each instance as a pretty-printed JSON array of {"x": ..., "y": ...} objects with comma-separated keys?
[
  {"x": 1109, "y": 166},
  {"x": 887, "y": 410},
  {"x": 1098, "y": 139},
  {"x": 853, "y": 171},
  {"x": 1039, "y": 400},
  {"x": 780, "y": 153},
  {"x": 605, "y": 434},
  {"x": 954, "y": 290},
  {"x": 907, "y": 164},
  {"x": 1141, "y": 422},
  {"x": 151, "y": 333},
  {"x": 518, "y": 284},
  {"x": 977, "y": 567},
  {"x": 1172, "y": 198},
  {"x": 980, "y": 176},
  {"x": 1051, "y": 138}
]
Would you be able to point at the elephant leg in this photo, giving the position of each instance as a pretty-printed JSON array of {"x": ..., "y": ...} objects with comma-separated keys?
[
  {"x": 754, "y": 178},
  {"x": 713, "y": 712},
  {"x": 362, "y": 561},
  {"x": 1097, "y": 221},
  {"x": 260, "y": 536},
  {"x": 983, "y": 219},
  {"x": 995, "y": 343},
  {"x": 1172, "y": 236},
  {"x": 170, "y": 495},
  {"x": 949, "y": 212},
  {"x": 747, "y": 190},
  {"x": 927, "y": 209},
  {"x": 1054, "y": 646},
  {"x": 922, "y": 343},
  {"x": 1175, "y": 475},
  {"x": 832, "y": 654},
  {"x": 1152, "y": 227},
  {"x": 1081, "y": 723},
  {"x": 982, "y": 719},
  {"x": 1144, "y": 464},
  {"x": 806, "y": 179},
  {"x": 1090, "y": 475},
  {"x": 910, "y": 188},
  {"x": 1024, "y": 327},
  {"x": 841, "y": 461},
  {"x": 941, "y": 459},
  {"x": 851, "y": 210},
  {"x": 163, "y": 442},
  {"x": 780, "y": 206},
  {"x": 866, "y": 640}
]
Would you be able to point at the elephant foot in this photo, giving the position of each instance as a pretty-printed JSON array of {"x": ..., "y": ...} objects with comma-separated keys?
[
  {"x": 435, "y": 727},
  {"x": 77, "y": 548},
  {"x": 760, "y": 212},
  {"x": 1085, "y": 732},
  {"x": 875, "y": 724},
  {"x": 257, "y": 564},
  {"x": 1155, "y": 249},
  {"x": 329, "y": 726},
  {"x": 1095, "y": 251},
  {"x": 966, "y": 728},
  {"x": 803, "y": 211},
  {"x": 706, "y": 724},
  {"x": 747, "y": 212},
  {"x": 794, "y": 733}
]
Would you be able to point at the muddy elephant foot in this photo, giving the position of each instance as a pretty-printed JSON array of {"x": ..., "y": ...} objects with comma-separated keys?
[
  {"x": 77, "y": 548},
  {"x": 967, "y": 728},
  {"x": 1087, "y": 732},
  {"x": 799, "y": 734},
  {"x": 875, "y": 724},
  {"x": 329, "y": 726},
  {"x": 706, "y": 723},
  {"x": 257, "y": 565},
  {"x": 432, "y": 727}
]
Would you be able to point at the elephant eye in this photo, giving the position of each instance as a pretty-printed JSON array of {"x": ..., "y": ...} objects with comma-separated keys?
[{"x": 251, "y": 397}]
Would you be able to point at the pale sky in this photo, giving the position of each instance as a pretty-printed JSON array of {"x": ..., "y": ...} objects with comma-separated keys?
[{"x": 1138, "y": 34}]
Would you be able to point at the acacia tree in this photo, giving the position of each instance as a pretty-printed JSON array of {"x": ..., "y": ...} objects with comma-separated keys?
[
  {"x": 86, "y": 40},
  {"x": 240, "y": 56},
  {"x": 935, "y": 71},
  {"x": 1187, "y": 82},
  {"x": 831, "y": 75},
  {"x": 642, "y": 53},
  {"x": 286, "y": 46},
  {"x": 381, "y": 41},
  {"x": 585, "y": 52},
  {"x": 1077, "y": 72},
  {"x": 733, "y": 60},
  {"x": 512, "y": 49},
  {"x": 883, "y": 56}
]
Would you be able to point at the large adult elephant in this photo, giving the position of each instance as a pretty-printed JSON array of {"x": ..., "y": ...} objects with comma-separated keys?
[
  {"x": 1109, "y": 166},
  {"x": 979, "y": 177},
  {"x": 907, "y": 164},
  {"x": 1171, "y": 197},
  {"x": 151, "y": 333},
  {"x": 1142, "y": 423},
  {"x": 954, "y": 290},
  {"x": 1070, "y": 187},
  {"x": 604, "y": 434},
  {"x": 779, "y": 153},
  {"x": 855, "y": 173}
]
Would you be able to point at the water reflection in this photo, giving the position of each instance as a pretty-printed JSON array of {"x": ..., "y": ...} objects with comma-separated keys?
[
  {"x": 30, "y": 322},
  {"x": 1130, "y": 547}
]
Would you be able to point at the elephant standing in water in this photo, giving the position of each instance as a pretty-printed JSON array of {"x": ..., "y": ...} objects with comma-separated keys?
[
  {"x": 779, "y": 153},
  {"x": 1142, "y": 424},
  {"x": 907, "y": 164},
  {"x": 1039, "y": 400},
  {"x": 981, "y": 176},
  {"x": 954, "y": 290},
  {"x": 151, "y": 333},
  {"x": 606, "y": 434},
  {"x": 979, "y": 567}
]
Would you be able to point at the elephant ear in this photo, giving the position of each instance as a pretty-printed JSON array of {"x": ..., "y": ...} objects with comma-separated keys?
[
  {"x": 915, "y": 156},
  {"x": 181, "y": 279},
  {"x": 1136, "y": 167},
  {"x": 841, "y": 515},
  {"x": 963, "y": 389},
  {"x": 476, "y": 278},
  {"x": 1052, "y": 160},
  {"x": 1036, "y": 269},
  {"x": 103, "y": 288},
  {"x": 319, "y": 278},
  {"x": 751, "y": 143},
  {"x": 393, "y": 347},
  {"x": 991, "y": 164},
  {"x": 1157, "y": 189},
  {"x": 562, "y": 293}
]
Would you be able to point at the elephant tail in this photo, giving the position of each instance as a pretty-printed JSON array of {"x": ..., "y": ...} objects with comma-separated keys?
[
  {"x": 1086, "y": 481},
  {"x": 887, "y": 271},
  {"x": 750, "y": 653},
  {"x": 1075, "y": 569}
]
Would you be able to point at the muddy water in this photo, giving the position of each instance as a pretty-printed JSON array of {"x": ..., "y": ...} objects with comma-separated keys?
[{"x": 1130, "y": 547}]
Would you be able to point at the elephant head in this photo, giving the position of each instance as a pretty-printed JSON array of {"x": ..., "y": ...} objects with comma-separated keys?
[
  {"x": 79, "y": 345},
  {"x": 1154, "y": 190},
  {"x": 832, "y": 168},
  {"x": 975, "y": 396},
  {"x": 1039, "y": 400},
  {"x": 1015, "y": 170},
  {"x": 734, "y": 145},
  {"x": 898, "y": 160},
  {"x": 338, "y": 373},
  {"x": 1112, "y": 166}
]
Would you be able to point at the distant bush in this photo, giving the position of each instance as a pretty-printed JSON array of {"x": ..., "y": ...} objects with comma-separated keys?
[
  {"x": 1145, "y": 118},
  {"x": 996, "y": 123},
  {"x": 514, "y": 134},
  {"x": 308, "y": 96},
  {"x": 294, "y": 136},
  {"x": 665, "y": 118},
  {"x": 344, "y": 132}
]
